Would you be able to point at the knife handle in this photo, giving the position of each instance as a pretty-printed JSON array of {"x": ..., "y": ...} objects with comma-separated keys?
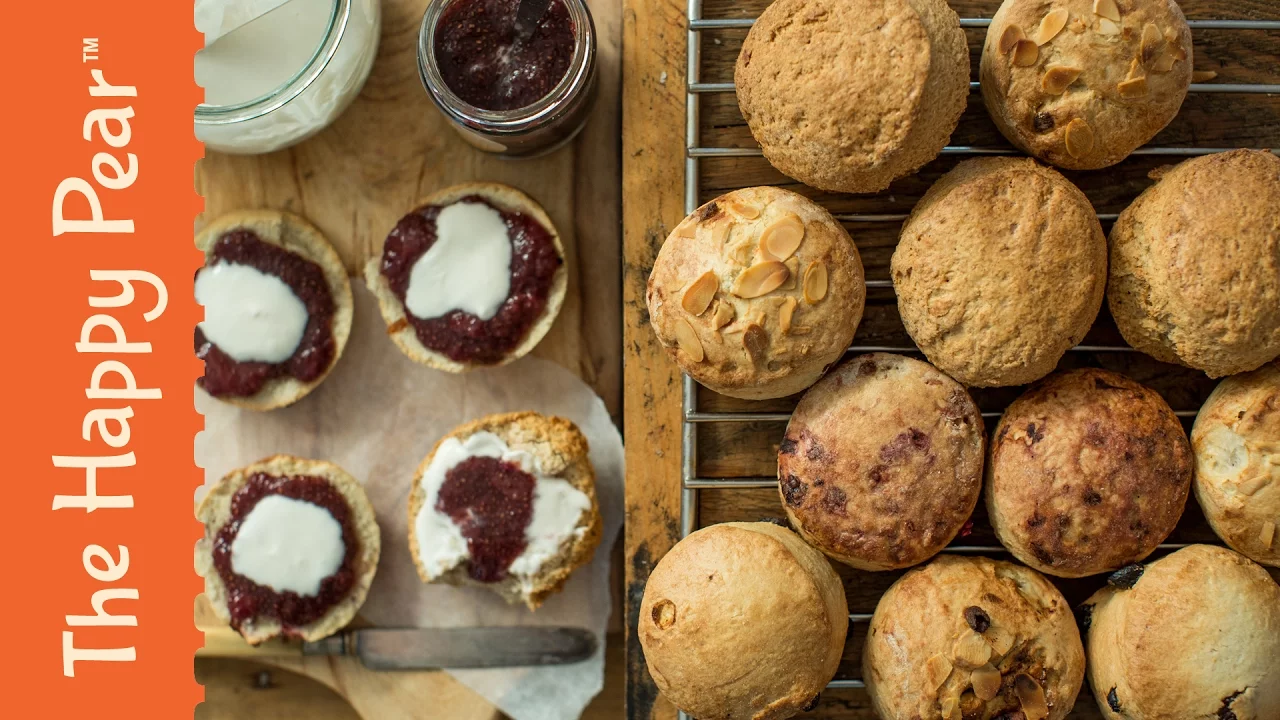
[{"x": 224, "y": 642}]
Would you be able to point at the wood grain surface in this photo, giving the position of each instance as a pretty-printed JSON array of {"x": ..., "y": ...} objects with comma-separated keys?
[{"x": 653, "y": 186}]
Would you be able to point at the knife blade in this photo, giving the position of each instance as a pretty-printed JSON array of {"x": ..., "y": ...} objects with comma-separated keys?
[{"x": 433, "y": 648}]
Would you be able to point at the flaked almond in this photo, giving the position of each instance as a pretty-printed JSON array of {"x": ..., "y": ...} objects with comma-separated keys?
[
  {"x": 1050, "y": 26},
  {"x": 748, "y": 211},
  {"x": 1009, "y": 38},
  {"x": 986, "y": 682},
  {"x": 760, "y": 279},
  {"x": 1170, "y": 35},
  {"x": 1252, "y": 485},
  {"x": 1135, "y": 69},
  {"x": 950, "y": 708},
  {"x": 722, "y": 316},
  {"x": 1000, "y": 640},
  {"x": 801, "y": 330},
  {"x": 1031, "y": 696},
  {"x": 744, "y": 253},
  {"x": 1151, "y": 44},
  {"x": 937, "y": 670},
  {"x": 1077, "y": 25},
  {"x": 1199, "y": 76},
  {"x": 785, "y": 314},
  {"x": 780, "y": 240},
  {"x": 1079, "y": 138},
  {"x": 1268, "y": 534},
  {"x": 687, "y": 230},
  {"x": 688, "y": 340},
  {"x": 1026, "y": 53},
  {"x": 756, "y": 341},
  {"x": 1164, "y": 63},
  {"x": 1107, "y": 27},
  {"x": 1106, "y": 9},
  {"x": 1057, "y": 78},
  {"x": 793, "y": 268},
  {"x": 701, "y": 292},
  {"x": 1135, "y": 88},
  {"x": 970, "y": 651},
  {"x": 815, "y": 282},
  {"x": 720, "y": 232},
  {"x": 1179, "y": 52}
]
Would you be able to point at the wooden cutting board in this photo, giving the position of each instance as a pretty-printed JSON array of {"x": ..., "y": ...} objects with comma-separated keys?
[{"x": 358, "y": 177}]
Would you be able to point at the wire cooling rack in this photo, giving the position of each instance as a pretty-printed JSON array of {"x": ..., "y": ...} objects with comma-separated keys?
[{"x": 693, "y": 417}]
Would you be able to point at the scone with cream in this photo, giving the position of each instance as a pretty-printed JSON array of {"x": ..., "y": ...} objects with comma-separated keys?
[
  {"x": 1236, "y": 441},
  {"x": 849, "y": 95},
  {"x": 1083, "y": 83},
  {"x": 277, "y": 308},
  {"x": 757, "y": 293},
  {"x": 1192, "y": 635},
  {"x": 473, "y": 277},
  {"x": 506, "y": 502},
  {"x": 1195, "y": 264},
  {"x": 981, "y": 266},
  {"x": 743, "y": 620},
  {"x": 968, "y": 637},
  {"x": 290, "y": 548},
  {"x": 881, "y": 464}
]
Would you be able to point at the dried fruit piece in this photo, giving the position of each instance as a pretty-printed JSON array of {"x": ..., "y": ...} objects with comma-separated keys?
[
  {"x": 1043, "y": 122},
  {"x": 1106, "y": 9},
  {"x": 1084, "y": 617},
  {"x": 1135, "y": 88},
  {"x": 664, "y": 614},
  {"x": 1000, "y": 640},
  {"x": 785, "y": 314},
  {"x": 1152, "y": 42},
  {"x": 1031, "y": 695},
  {"x": 1079, "y": 138},
  {"x": 1050, "y": 26},
  {"x": 1113, "y": 702},
  {"x": 701, "y": 292},
  {"x": 687, "y": 230},
  {"x": 1268, "y": 535},
  {"x": 760, "y": 279},
  {"x": 1107, "y": 27},
  {"x": 780, "y": 240},
  {"x": 937, "y": 670},
  {"x": 815, "y": 282},
  {"x": 688, "y": 340},
  {"x": 1126, "y": 577},
  {"x": 722, "y": 316},
  {"x": 971, "y": 651},
  {"x": 1200, "y": 76},
  {"x": 750, "y": 212},
  {"x": 986, "y": 682},
  {"x": 1009, "y": 38},
  {"x": 1025, "y": 53},
  {"x": 1057, "y": 78},
  {"x": 755, "y": 340},
  {"x": 977, "y": 618}
]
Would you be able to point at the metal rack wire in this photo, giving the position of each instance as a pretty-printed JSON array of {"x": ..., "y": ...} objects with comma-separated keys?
[{"x": 691, "y": 484}]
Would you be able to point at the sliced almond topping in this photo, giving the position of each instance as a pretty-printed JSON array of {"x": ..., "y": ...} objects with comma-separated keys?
[
  {"x": 1134, "y": 88},
  {"x": 1077, "y": 25},
  {"x": 1177, "y": 50},
  {"x": 1050, "y": 26},
  {"x": 971, "y": 651},
  {"x": 801, "y": 330},
  {"x": 1152, "y": 42},
  {"x": 1107, "y": 27},
  {"x": 743, "y": 254},
  {"x": 1252, "y": 485},
  {"x": 1079, "y": 138},
  {"x": 937, "y": 670},
  {"x": 950, "y": 708},
  {"x": 755, "y": 340},
  {"x": 1001, "y": 641},
  {"x": 785, "y": 314},
  {"x": 722, "y": 316},
  {"x": 986, "y": 682},
  {"x": 793, "y": 267},
  {"x": 760, "y": 279},
  {"x": 1025, "y": 53},
  {"x": 780, "y": 240},
  {"x": 1164, "y": 63},
  {"x": 687, "y": 230},
  {"x": 720, "y": 231},
  {"x": 688, "y": 340},
  {"x": 1010, "y": 37},
  {"x": 815, "y": 282},
  {"x": 750, "y": 212},
  {"x": 1106, "y": 9},
  {"x": 1170, "y": 35},
  {"x": 1057, "y": 78},
  {"x": 1200, "y": 76},
  {"x": 701, "y": 292},
  {"x": 1268, "y": 534},
  {"x": 1135, "y": 69},
  {"x": 1031, "y": 696}
]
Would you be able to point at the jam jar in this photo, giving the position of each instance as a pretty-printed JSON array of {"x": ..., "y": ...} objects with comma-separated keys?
[{"x": 517, "y": 96}]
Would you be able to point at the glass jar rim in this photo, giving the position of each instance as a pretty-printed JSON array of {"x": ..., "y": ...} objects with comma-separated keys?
[{"x": 289, "y": 89}]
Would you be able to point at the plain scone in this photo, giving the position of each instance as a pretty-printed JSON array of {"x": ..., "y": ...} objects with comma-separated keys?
[
  {"x": 1198, "y": 636},
  {"x": 1195, "y": 264},
  {"x": 561, "y": 450},
  {"x": 881, "y": 464},
  {"x": 972, "y": 637},
  {"x": 999, "y": 270},
  {"x": 504, "y": 198},
  {"x": 215, "y": 510},
  {"x": 293, "y": 233},
  {"x": 848, "y": 95},
  {"x": 747, "y": 321},
  {"x": 1088, "y": 472},
  {"x": 1236, "y": 441},
  {"x": 743, "y": 621},
  {"x": 1083, "y": 83}
]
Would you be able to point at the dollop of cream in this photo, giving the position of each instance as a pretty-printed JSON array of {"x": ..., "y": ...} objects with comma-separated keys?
[
  {"x": 250, "y": 315},
  {"x": 468, "y": 267},
  {"x": 289, "y": 545}
]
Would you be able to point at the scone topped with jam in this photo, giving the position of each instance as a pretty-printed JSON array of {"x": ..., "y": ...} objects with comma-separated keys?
[{"x": 1083, "y": 83}]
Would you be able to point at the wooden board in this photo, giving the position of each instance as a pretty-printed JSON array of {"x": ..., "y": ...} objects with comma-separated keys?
[
  {"x": 358, "y": 177},
  {"x": 653, "y": 190}
]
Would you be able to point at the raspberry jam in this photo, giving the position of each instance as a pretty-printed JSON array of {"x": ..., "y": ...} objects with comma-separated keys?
[
  {"x": 248, "y": 600},
  {"x": 226, "y": 377},
  {"x": 491, "y": 500},
  {"x": 459, "y": 335}
]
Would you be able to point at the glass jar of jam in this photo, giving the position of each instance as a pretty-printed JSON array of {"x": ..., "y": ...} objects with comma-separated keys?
[{"x": 519, "y": 96}]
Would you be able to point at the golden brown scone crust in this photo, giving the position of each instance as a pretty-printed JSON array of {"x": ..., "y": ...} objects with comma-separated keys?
[
  {"x": 881, "y": 464},
  {"x": 1197, "y": 637},
  {"x": 215, "y": 511},
  {"x": 981, "y": 266},
  {"x": 1236, "y": 440},
  {"x": 561, "y": 450},
  {"x": 1089, "y": 472},
  {"x": 723, "y": 237},
  {"x": 847, "y": 95},
  {"x": 910, "y": 660},
  {"x": 298, "y": 236},
  {"x": 743, "y": 621},
  {"x": 1195, "y": 264},
  {"x": 1107, "y": 125},
  {"x": 402, "y": 333}
]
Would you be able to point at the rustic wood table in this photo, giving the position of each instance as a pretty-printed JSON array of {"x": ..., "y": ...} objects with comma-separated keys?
[{"x": 653, "y": 150}]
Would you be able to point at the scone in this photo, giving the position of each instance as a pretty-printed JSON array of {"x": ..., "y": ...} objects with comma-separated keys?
[
  {"x": 881, "y": 464},
  {"x": 757, "y": 293},
  {"x": 848, "y": 95},
  {"x": 974, "y": 638},
  {"x": 277, "y": 308},
  {"x": 506, "y": 502},
  {"x": 1089, "y": 471},
  {"x": 474, "y": 277},
  {"x": 743, "y": 621},
  {"x": 1236, "y": 441},
  {"x": 1195, "y": 264},
  {"x": 1194, "y": 635},
  {"x": 1083, "y": 83},
  {"x": 981, "y": 266},
  {"x": 290, "y": 548}
]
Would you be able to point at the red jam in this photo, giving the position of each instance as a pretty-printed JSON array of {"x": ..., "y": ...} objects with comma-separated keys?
[
  {"x": 486, "y": 64},
  {"x": 248, "y": 600},
  {"x": 226, "y": 377},
  {"x": 459, "y": 335},
  {"x": 491, "y": 500}
]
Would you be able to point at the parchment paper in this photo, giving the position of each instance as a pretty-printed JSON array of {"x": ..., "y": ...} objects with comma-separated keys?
[{"x": 377, "y": 415}]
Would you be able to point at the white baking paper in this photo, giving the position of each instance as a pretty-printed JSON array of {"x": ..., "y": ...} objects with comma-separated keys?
[{"x": 377, "y": 415}]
